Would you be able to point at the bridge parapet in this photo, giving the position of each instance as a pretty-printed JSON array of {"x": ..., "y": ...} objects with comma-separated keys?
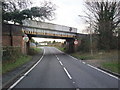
[{"x": 50, "y": 26}]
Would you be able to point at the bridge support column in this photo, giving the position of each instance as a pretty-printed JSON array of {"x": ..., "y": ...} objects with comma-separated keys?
[
  {"x": 69, "y": 45},
  {"x": 28, "y": 45}
]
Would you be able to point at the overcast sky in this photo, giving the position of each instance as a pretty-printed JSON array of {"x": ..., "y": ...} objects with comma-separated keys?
[{"x": 67, "y": 12}]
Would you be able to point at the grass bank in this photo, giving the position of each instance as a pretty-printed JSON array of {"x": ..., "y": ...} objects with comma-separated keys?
[
  {"x": 112, "y": 66},
  {"x": 9, "y": 65},
  {"x": 107, "y": 60},
  {"x": 60, "y": 48}
]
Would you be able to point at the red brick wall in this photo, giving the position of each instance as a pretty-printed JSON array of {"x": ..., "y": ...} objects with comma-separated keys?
[
  {"x": 17, "y": 41},
  {"x": 6, "y": 41}
]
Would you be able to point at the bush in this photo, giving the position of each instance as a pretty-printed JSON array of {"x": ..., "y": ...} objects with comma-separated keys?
[
  {"x": 33, "y": 51},
  {"x": 11, "y": 53},
  {"x": 85, "y": 44}
]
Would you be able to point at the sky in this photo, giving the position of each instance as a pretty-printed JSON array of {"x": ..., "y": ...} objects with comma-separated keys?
[{"x": 67, "y": 12}]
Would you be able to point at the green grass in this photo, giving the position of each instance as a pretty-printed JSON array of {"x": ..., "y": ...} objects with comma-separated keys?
[
  {"x": 38, "y": 49},
  {"x": 83, "y": 56},
  {"x": 111, "y": 56},
  {"x": 34, "y": 51},
  {"x": 112, "y": 66},
  {"x": 60, "y": 48},
  {"x": 109, "y": 60},
  {"x": 8, "y": 66}
]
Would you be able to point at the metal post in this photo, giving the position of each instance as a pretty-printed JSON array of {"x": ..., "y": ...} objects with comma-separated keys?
[{"x": 91, "y": 50}]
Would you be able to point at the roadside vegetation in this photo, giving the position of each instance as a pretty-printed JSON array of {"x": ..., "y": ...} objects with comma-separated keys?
[
  {"x": 102, "y": 35},
  {"x": 12, "y": 64},
  {"x": 106, "y": 60},
  {"x": 13, "y": 58},
  {"x": 113, "y": 66}
]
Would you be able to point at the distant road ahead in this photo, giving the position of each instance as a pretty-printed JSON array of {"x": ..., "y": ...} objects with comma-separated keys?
[{"x": 58, "y": 70}]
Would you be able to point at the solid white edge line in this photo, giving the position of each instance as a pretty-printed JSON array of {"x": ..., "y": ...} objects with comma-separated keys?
[
  {"x": 16, "y": 83},
  {"x": 72, "y": 57},
  {"x": 67, "y": 73},
  {"x": 26, "y": 72},
  {"x": 61, "y": 63},
  {"x": 103, "y": 71}
]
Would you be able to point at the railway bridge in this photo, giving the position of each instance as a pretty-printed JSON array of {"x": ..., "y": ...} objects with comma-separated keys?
[{"x": 13, "y": 34}]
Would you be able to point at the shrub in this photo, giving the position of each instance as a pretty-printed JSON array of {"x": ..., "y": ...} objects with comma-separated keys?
[
  {"x": 33, "y": 51},
  {"x": 11, "y": 53}
]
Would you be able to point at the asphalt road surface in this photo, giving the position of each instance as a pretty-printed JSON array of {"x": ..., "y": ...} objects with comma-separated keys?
[{"x": 58, "y": 70}]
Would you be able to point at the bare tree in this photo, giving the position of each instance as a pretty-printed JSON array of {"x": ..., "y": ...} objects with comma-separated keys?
[{"x": 105, "y": 17}]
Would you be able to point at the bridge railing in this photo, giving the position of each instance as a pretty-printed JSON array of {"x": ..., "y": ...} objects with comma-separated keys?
[{"x": 34, "y": 31}]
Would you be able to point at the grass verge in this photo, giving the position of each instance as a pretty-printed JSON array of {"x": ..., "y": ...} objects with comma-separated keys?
[
  {"x": 112, "y": 66},
  {"x": 60, "y": 48},
  {"x": 34, "y": 51},
  {"x": 10, "y": 65},
  {"x": 106, "y": 60},
  {"x": 83, "y": 56}
]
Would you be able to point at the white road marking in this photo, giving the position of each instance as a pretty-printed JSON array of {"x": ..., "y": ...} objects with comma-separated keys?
[
  {"x": 73, "y": 82},
  {"x": 103, "y": 71},
  {"x": 57, "y": 57},
  {"x": 26, "y": 72},
  {"x": 59, "y": 50},
  {"x": 61, "y": 63},
  {"x": 83, "y": 62},
  {"x": 67, "y": 73},
  {"x": 16, "y": 83},
  {"x": 91, "y": 66},
  {"x": 72, "y": 57}
]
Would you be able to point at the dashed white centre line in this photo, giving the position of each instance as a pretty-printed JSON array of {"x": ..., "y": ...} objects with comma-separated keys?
[
  {"x": 83, "y": 62},
  {"x": 67, "y": 73},
  {"x": 60, "y": 62},
  {"x": 57, "y": 57}
]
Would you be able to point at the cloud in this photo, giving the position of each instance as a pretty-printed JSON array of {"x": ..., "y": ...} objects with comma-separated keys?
[{"x": 67, "y": 12}]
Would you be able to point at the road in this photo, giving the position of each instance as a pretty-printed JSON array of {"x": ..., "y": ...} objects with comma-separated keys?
[{"x": 58, "y": 70}]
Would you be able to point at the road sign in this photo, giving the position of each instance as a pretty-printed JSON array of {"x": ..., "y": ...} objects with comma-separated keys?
[
  {"x": 25, "y": 38},
  {"x": 75, "y": 42}
]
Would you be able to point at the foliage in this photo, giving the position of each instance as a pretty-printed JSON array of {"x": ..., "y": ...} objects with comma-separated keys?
[
  {"x": 9, "y": 65},
  {"x": 17, "y": 10},
  {"x": 113, "y": 66},
  {"x": 85, "y": 44},
  {"x": 13, "y": 5},
  {"x": 54, "y": 42},
  {"x": 104, "y": 18},
  {"x": 32, "y": 40},
  {"x": 33, "y": 51},
  {"x": 11, "y": 53}
]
